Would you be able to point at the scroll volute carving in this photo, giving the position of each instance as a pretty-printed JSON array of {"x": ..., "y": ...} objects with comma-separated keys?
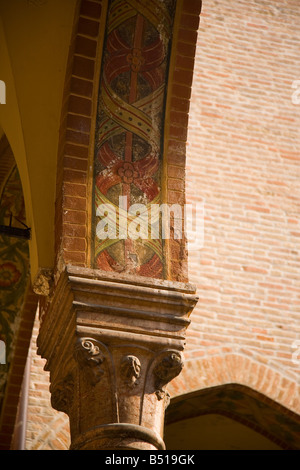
[
  {"x": 90, "y": 357},
  {"x": 166, "y": 368},
  {"x": 130, "y": 370}
]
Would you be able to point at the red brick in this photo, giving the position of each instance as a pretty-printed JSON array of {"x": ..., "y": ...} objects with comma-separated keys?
[
  {"x": 181, "y": 91},
  {"x": 77, "y": 203},
  {"x": 74, "y": 217},
  {"x": 253, "y": 269},
  {"x": 77, "y": 137},
  {"x": 86, "y": 47},
  {"x": 184, "y": 77},
  {"x": 176, "y": 159},
  {"x": 74, "y": 244},
  {"x": 192, "y": 6},
  {"x": 79, "y": 123},
  {"x": 178, "y": 132},
  {"x": 74, "y": 176},
  {"x": 83, "y": 68},
  {"x": 74, "y": 230},
  {"x": 76, "y": 151},
  {"x": 176, "y": 197},
  {"x": 90, "y": 9},
  {"x": 177, "y": 185},
  {"x": 78, "y": 190},
  {"x": 79, "y": 105},
  {"x": 77, "y": 257},
  {"x": 187, "y": 35},
  {"x": 176, "y": 172},
  {"x": 88, "y": 27},
  {"x": 75, "y": 163},
  {"x": 176, "y": 148},
  {"x": 186, "y": 49},
  {"x": 183, "y": 62},
  {"x": 81, "y": 87},
  {"x": 180, "y": 104}
]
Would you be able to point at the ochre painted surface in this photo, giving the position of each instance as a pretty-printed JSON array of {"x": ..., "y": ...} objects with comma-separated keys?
[{"x": 34, "y": 46}]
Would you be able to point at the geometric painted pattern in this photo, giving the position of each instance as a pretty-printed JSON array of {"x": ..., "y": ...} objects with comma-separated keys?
[{"x": 129, "y": 129}]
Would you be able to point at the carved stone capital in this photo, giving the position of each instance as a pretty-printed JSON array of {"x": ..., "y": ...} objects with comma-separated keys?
[{"x": 112, "y": 345}]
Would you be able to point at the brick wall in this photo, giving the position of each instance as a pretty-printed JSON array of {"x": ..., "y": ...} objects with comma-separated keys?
[
  {"x": 243, "y": 161},
  {"x": 46, "y": 429}
]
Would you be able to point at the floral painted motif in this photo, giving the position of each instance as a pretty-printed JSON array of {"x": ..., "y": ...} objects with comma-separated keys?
[
  {"x": 9, "y": 274},
  {"x": 127, "y": 173},
  {"x": 136, "y": 60}
]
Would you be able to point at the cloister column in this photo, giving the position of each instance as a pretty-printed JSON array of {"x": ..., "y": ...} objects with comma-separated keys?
[
  {"x": 112, "y": 347},
  {"x": 116, "y": 308}
]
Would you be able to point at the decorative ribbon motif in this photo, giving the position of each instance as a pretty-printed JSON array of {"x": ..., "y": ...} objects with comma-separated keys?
[{"x": 129, "y": 131}]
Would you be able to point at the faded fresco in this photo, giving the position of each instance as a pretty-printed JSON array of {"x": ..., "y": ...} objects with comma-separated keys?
[
  {"x": 14, "y": 267},
  {"x": 129, "y": 130}
]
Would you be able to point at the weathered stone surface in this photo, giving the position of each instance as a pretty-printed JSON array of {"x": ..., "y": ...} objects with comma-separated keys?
[{"x": 112, "y": 345}]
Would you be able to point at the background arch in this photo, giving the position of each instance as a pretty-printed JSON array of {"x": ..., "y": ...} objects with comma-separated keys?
[{"x": 223, "y": 368}]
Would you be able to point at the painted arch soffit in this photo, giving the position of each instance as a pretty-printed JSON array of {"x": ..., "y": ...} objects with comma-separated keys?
[
  {"x": 130, "y": 126},
  {"x": 14, "y": 257}
]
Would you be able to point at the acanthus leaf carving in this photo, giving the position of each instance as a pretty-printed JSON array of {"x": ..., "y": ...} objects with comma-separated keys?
[
  {"x": 166, "y": 370},
  {"x": 130, "y": 370},
  {"x": 62, "y": 394}
]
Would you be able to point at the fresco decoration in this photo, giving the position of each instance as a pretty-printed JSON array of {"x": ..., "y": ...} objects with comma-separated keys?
[
  {"x": 14, "y": 265},
  {"x": 129, "y": 128}
]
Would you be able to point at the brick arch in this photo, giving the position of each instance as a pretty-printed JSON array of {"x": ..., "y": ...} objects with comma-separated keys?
[
  {"x": 241, "y": 404},
  {"x": 235, "y": 368},
  {"x": 243, "y": 389},
  {"x": 77, "y": 133}
]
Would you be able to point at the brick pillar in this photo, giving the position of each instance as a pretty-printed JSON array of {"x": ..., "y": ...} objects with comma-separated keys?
[{"x": 113, "y": 324}]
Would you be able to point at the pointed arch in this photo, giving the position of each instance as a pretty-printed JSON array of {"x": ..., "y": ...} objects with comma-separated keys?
[
  {"x": 224, "y": 368},
  {"x": 236, "y": 403}
]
